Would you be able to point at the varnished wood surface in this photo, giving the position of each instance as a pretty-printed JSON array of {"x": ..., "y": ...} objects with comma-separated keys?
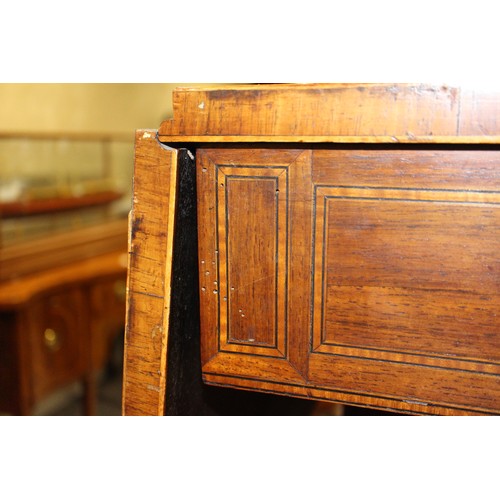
[
  {"x": 15, "y": 293},
  {"x": 64, "y": 248},
  {"x": 185, "y": 392},
  {"x": 388, "y": 113},
  {"x": 401, "y": 246},
  {"x": 355, "y": 236},
  {"x": 151, "y": 230},
  {"x": 79, "y": 306},
  {"x": 237, "y": 299},
  {"x": 107, "y": 316},
  {"x": 64, "y": 313}
]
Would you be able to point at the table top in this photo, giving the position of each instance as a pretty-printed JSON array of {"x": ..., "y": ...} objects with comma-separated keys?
[
  {"x": 16, "y": 292},
  {"x": 394, "y": 113}
]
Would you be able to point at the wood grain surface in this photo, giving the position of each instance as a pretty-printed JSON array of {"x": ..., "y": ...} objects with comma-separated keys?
[
  {"x": 402, "y": 250},
  {"x": 68, "y": 247},
  {"x": 149, "y": 280},
  {"x": 378, "y": 112},
  {"x": 348, "y": 238}
]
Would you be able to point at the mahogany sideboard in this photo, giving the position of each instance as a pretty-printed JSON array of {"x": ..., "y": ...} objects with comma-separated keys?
[
  {"x": 62, "y": 306},
  {"x": 329, "y": 242}
]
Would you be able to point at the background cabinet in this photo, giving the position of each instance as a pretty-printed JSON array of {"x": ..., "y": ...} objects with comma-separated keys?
[
  {"x": 58, "y": 327},
  {"x": 63, "y": 260}
]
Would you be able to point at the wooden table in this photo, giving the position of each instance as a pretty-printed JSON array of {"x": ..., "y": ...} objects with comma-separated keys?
[{"x": 328, "y": 242}]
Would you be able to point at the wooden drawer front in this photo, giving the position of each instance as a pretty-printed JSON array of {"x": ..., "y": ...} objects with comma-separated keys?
[
  {"x": 407, "y": 275},
  {"x": 57, "y": 328},
  {"x": 372, "y": 273}
]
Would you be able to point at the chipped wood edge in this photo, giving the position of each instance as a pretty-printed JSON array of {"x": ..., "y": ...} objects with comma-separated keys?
[{"x": 151, "y": 235}]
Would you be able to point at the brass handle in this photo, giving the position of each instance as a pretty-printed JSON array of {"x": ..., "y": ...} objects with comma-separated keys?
[{"x": 51, "y": 339}]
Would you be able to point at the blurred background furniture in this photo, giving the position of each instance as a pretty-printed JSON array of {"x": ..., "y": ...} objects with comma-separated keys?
[{"x": 63, "y": 265}]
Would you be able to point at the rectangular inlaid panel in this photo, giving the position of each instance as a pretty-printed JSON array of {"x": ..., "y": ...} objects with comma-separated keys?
[
  {"x": 252, "y": 242},
  {"x": 407, "y": 271},
  {"x": 244, "y": 211},
  {"x": 406, "y": 276}
]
